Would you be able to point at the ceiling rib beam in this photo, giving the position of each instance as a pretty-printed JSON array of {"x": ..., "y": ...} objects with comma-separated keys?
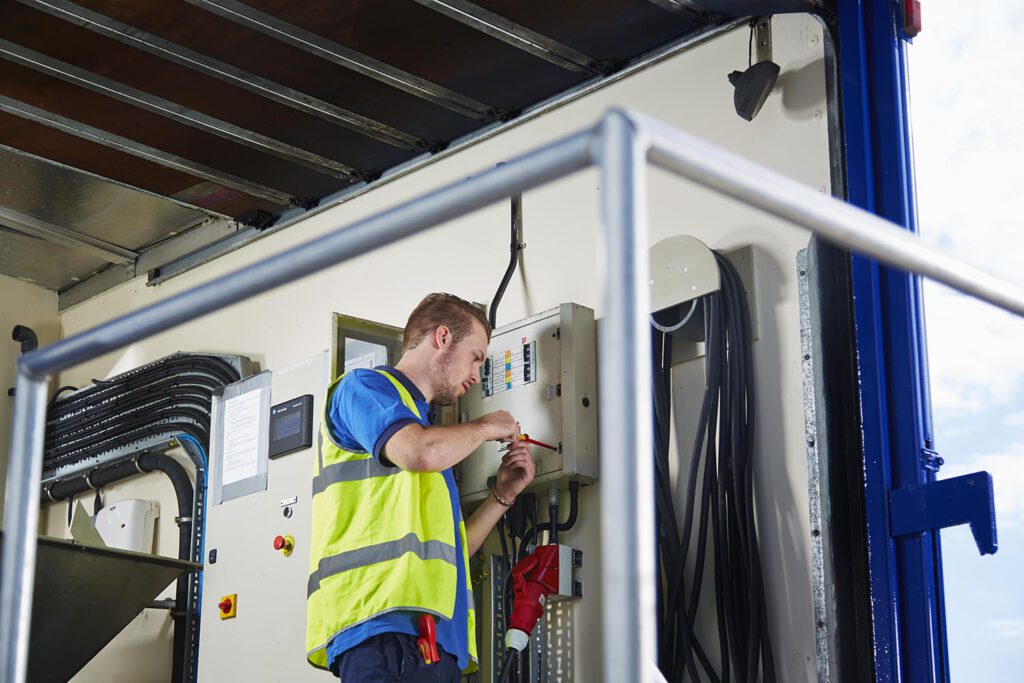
[
  {"x": 514, "y": 34},
  {"x": 36, "y": 227},
  {"x": 684, "y": 8},
  {"x": 137, "y": 149},
  {"x": 348, "y": 58},
  {"x": 172, "y": 52},
  {"x": 68, "y": 73}
]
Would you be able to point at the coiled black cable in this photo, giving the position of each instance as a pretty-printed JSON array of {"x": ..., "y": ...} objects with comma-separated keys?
[{"x": 719, "y": 497}]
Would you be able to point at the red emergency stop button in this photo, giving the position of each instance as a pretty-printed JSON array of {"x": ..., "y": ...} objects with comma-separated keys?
[{"x": 285, "y": 544}]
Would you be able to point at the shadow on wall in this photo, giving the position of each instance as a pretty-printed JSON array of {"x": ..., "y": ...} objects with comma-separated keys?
[{"x": 803, "y": 90}]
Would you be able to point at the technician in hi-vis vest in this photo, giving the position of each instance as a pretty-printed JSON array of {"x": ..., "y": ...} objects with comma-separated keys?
[{"x": 389, "y": 544}]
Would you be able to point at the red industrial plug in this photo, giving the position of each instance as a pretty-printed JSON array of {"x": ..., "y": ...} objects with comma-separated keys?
[{"x": 534, "y": 578}]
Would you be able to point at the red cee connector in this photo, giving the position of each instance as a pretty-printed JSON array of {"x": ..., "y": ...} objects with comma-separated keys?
[{"x": 534, "y": 578}]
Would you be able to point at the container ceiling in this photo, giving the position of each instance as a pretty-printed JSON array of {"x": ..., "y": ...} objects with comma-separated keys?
[{"x": 126, "y": 125}]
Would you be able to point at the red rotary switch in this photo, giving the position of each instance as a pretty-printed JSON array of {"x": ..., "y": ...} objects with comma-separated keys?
[{"x": 228, "y": 606}]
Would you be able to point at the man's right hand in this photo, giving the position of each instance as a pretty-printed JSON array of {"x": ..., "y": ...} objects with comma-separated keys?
[{"x": 499, "y": 426}]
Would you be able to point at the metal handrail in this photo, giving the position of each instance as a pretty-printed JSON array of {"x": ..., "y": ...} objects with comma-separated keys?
[{"x": 620, "y": 144}]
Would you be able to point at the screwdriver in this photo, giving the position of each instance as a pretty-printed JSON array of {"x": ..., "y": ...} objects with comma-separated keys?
[{"x": 527, "y": 439}]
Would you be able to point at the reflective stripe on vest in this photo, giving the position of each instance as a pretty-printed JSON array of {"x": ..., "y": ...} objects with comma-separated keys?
[
  {"x": 425, "y": 550},
  {"x": 372, "y": 550},
  {"x": 350, "y": 470}
]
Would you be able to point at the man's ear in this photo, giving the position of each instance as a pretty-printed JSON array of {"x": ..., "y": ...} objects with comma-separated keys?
[{"x": 442, "y": 337}]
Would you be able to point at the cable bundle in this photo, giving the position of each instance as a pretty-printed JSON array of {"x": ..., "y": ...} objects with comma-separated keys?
[
  {"x": 722, "y": 469},
  {"x": 170, "y": 396}
]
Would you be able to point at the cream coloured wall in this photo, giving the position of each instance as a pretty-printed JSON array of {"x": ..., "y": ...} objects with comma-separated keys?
[
  {"x": 561, "y": 223},
  {"x": 21, "y": 303}
]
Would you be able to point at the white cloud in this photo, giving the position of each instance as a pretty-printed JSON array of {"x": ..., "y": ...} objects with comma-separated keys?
[
  {"x": 1014, "y": 420},
  {"x": 976, "y": 356},
  {"x": 1007, "y": 628},
  {"x": 968, "y": 100},
  {"x": 1007, "y": 470}
]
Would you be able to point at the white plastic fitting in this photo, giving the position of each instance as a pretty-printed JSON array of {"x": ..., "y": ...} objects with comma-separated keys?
[{"x": 516, "y": 639}]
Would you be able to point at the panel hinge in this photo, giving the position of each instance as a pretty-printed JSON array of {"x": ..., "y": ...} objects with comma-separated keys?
[
  {"x": 931, "y": 460},
  {"x": 944, "y": 503}
]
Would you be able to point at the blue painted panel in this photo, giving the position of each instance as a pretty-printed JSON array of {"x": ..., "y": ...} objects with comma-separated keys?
[{"x": 906, "y": 587}]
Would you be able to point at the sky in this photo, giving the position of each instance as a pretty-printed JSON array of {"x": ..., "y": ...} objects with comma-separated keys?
[{"x": 967, "y": 116}]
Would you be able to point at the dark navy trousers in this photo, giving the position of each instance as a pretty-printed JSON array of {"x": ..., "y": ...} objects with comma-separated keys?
[{"x": 389, "y": 657}]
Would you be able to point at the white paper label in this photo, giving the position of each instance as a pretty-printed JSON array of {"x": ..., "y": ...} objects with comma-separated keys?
[
  {"x": 241, "y": 437},
  {"x": 365, "y": 361}
]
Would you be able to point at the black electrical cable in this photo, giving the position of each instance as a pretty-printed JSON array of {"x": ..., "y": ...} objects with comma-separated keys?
[
  {"x": 56, "y": 394},
  {"x": 175, "y": 391},
  {"x": 511, "y": 657},
  {"x": 553, "y": 524},
  {"x": 719, "y": 498},
  {"x": 201, "y": 419},
  {"x": 67, "y": 411},
  {"x": 532, "y": 533},
  {"x": 200, "y": 387},
  {"x": 514, "y": 248},
  {"x": 175, "y": 366},
  {"x": 145, "y": 406},
  {"x": 506, "y": 603},
  {"x": 569, "y": 523}
]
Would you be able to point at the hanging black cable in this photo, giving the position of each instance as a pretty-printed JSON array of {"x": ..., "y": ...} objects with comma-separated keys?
[
  {"x": 514, "y": 248},
  {"x": 718, "y": 507}
]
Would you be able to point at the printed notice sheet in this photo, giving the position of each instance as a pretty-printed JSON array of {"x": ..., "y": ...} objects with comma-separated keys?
[{"x": 241, "y": 437}]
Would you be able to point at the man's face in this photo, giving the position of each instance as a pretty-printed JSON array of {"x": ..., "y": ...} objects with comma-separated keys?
[{"x": 458, "y": 367}]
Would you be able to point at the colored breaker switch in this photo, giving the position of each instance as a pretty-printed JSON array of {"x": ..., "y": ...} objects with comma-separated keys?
[
  {"x": 285, "y": 544},
  {"x": 227, "y": 606}
]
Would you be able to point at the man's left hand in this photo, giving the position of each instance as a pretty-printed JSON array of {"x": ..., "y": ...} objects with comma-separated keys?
[{"x": 516, "y": 471}]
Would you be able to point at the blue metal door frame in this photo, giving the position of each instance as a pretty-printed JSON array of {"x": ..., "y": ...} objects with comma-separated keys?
[{"x": 909, "y": 635}]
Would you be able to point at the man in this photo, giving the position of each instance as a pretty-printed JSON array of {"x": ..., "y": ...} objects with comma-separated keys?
[{"x": 389, "y": 544}]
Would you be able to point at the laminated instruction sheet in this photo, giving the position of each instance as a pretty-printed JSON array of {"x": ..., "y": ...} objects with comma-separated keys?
[{"x": 239, "y": 438}]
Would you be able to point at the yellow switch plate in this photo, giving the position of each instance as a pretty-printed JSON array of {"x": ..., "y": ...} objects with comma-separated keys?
[{"x": 230, "y": 614}]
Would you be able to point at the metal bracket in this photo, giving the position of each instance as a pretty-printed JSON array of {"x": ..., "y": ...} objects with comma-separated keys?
[
  {"x": 762, "y": 40},
  {"x": 931, "y": 460},
  {"x": 944, "y": 503}
]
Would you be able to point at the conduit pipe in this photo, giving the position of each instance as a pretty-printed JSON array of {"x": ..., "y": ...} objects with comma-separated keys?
[{"x": 183, "y": 492}]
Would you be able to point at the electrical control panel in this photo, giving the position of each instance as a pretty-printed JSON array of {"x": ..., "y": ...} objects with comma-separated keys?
[
  {"x": 256, "y": 556},
  {"x": 543, "y": 370}
]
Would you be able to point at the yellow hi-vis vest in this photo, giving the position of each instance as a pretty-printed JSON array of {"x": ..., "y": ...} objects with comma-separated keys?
[{"x": 383, "y": 539}]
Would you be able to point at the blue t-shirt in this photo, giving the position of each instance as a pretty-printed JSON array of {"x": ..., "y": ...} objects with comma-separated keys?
[{"x": 365, "y": 411}]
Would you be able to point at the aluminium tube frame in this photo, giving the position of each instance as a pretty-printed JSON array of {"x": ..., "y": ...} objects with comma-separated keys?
[{"x": 620, "y": 144}]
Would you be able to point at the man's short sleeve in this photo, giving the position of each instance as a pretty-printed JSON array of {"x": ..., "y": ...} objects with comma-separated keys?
[{"x": 365, "y": 411}]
